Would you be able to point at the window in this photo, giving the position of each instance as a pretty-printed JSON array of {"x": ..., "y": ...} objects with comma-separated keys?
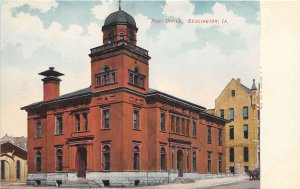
[
  {"x": 194, "y": 160},
  {"x": 85, "y": 121},
  {"x": 106, "y": 77},
  {"x": 173, "y": 159},
  {"x": 106, "y": 157},
  {"x": 121, "y": 35},
  {"x": 177, "y": 125},
  {"x": 59, "y": 125},
  {"x": 258, "y": 114},
  {"x": 222, "y": 113},
  {"x": 246, "y": 154},
  {"x": 245, "y": 128},
  {"x": 219, "y": 162},
  {"x": 233, "y": 93},
  {"x": 136, "y": 78},
  {"x": 219, "y": 137},
  {"x": 183, "y": 126},
  {"x": 130, "y": 37},
  {"x": 38, "y": 162},
  {"x": 162, "y": 159},
  {"x": 106, "y": 119},
  {"x": 188, "y": 161},
  {"x": 231, "y": 132},
  {"x": 77, "y": 122},
  {"x": 208, "y": 135},
  {"x": 59, "y": 159},
  {"x": 136, "y": 118},
  {"x": 111, "y": 37},
  {"x": 162, "y": 122},
  {"x": 194, "y": 129},
  {"x": 231, "y": 154},
  {"x": 187, "y": 132},
  {"x": 209, "y": 162},
  {"x": 2, "y": 169},
  {"x": 245, "y": 112},
  {"x": 172, "y": 124},
  {"x": 38, "y": 129},
  {"x": 18, "y": 169},
  {"x": 231, "y": 114},
  {"x": 136, "y": 158}
]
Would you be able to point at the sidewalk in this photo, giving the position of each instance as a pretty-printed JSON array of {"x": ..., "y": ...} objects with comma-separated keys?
[
  {"x": 202, "y": 183},
  {"x": 198, "y": 184}
]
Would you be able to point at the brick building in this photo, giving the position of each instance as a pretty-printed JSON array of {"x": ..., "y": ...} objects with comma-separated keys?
[{"x": 118, "y": 131}]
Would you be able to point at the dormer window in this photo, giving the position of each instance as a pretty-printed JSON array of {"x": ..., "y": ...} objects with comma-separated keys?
[
  {"x": 106, "y": 77},
  {"x": 121, "y": 35},
  {"x": 136, "y": 78}
]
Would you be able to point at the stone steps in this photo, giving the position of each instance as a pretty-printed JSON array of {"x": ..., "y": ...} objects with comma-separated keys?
[
  {"x": 183, "y": 180},
  {"x": 80, "y": 184}
]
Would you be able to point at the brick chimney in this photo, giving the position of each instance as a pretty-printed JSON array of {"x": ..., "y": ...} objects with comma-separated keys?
[{"x": 51, "y": 83}]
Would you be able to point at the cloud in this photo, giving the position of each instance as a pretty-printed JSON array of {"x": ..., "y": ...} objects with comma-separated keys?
[
  {"x": 103, "y": 10},
  {"x": 176, "y": 65}
]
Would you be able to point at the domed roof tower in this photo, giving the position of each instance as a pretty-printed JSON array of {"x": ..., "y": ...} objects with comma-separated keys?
[{"x": 119, "y": 25}]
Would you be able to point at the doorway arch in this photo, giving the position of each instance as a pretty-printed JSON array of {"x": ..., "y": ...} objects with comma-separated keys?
[
  {"x": 180, "y": 163},
  {"x": 81, "y": 161}
]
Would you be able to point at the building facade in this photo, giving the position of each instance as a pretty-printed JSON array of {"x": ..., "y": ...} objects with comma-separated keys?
[
  {"x": 241, "y": 106},
  {"x": 118, "y": 131},
  {"x": 13, "y": 159}
]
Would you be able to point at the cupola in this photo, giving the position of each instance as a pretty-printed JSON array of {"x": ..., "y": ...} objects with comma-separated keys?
[{"x": 119, "y": 25}]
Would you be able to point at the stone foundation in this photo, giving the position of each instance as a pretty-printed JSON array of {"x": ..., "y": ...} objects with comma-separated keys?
[{"x": 114, "y": 179}]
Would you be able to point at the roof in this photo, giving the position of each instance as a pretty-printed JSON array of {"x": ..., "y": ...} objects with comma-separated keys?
[
  {"x": 51, "y": 72},
  {"x": 20, "y": 142},
  {"x": 119, "y": 17},
  {"x": 246, "y": 89},
  {"x": 78, "y": 93},
  {"x": 175, "y": 99}
]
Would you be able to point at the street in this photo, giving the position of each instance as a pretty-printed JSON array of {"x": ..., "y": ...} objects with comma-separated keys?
[{"x": 239, "y": 185}]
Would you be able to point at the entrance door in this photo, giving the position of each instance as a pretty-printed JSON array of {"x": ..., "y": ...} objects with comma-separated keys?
[
  {"x": 81, "y": 163},
  {"x": 179, "y": 163}
]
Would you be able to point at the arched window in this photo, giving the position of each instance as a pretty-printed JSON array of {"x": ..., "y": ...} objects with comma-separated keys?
[
  {"x": 106, "y": 76},
  {"x": 2, "y": 169},
  {"x": 111, "y": 37},
  {"x": 106, "y": 157},
  {"x": 136, "y": 158},
  {"x": 209, "y": 162},
  {"x": 121, "y": 35},
  {"x": 18, "y": 169},
  {"x": 162, "y": 159},
  {"x": 38, "y": 161},
  {"x": 59, "y": 159},
  {"x": 194, "y": 161},
  {"x": 219, "y": 162}
]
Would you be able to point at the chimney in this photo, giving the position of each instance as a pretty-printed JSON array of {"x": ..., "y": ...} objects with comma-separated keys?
[
  {"x": 239, "y": 80},
  {"x": 51, "y": 83}
]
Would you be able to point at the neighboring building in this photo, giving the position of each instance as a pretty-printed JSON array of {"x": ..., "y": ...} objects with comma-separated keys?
[
  {"x": 13, "y": 159},
  {"x": 118, "y": 131},
  {"x": 240, "y": 105}
]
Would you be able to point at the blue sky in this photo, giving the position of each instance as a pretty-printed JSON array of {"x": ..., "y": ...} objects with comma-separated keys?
[{"x": 193, "y": 62}]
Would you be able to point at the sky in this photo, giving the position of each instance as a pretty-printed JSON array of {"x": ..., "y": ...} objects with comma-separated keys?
[{"x": 191, "y": 61}]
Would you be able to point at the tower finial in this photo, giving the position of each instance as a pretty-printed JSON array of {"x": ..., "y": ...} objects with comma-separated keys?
[{"x": 119, "y": 5}]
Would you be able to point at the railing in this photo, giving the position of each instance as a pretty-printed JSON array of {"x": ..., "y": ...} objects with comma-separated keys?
[{"x": 120, "y": 43}]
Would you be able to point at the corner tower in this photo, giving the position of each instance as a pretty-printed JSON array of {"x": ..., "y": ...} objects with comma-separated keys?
[{"x": 119, "y": 63}]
